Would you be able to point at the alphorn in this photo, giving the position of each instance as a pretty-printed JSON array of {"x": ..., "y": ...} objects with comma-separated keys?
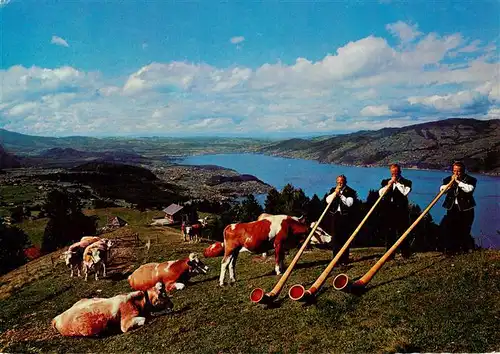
[
  {"x": 299, "y": 293},
  {"x": 341, "y": 281},
  {"x": 258, "y": 295}
]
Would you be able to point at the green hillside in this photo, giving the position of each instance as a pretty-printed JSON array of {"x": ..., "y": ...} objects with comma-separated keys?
[{"x": 426, "y": 304}]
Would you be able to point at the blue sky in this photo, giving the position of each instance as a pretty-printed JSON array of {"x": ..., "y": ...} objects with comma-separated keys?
[{"x": 248, "y": 68}]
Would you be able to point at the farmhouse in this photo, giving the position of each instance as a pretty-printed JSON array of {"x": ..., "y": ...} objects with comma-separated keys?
[
  {"x": 115, "y": 222},
  {"x": 173, "y": 213}
]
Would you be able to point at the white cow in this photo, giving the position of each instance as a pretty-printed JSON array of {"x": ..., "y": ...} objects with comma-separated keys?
[{"x": 321, "y": 237}]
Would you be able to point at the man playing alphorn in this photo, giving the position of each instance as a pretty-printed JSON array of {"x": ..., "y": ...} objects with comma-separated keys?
[
  {"x": 459, "y": 203},
  {"x": 338, "y": 219},
  {"x": 395, "y": 213}
]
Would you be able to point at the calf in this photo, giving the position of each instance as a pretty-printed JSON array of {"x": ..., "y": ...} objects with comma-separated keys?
[
  {"x": 174, "y": 274},
  {"x": 73, "y": 257},
  {"x": 95, "y": 257},
  {"x": 194, "y": 232},
  {"x": 73, "y": 260},
  {"x": 90, "y": 317}
]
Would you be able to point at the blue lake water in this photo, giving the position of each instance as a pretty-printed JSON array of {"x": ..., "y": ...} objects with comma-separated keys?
[{"x": 316, "y": 178}]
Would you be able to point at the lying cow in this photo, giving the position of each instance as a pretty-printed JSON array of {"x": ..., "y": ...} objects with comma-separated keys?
[
  {"x": 321, "y": 237},
  {"x": 90, "y": 317},
  {"x": 73, "y": 257},
  {"x": 174, "y": 274},
  {"x": 95, "y": 257},
  {"x": 257, "y": 237}
]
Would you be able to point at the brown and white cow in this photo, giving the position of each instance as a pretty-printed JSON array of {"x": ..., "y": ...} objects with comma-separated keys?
[
  {"x": 174, "y": 274},
  {"x": 194, "y": 232},
  {"x": 95, "y": 257},
  {"x": 90, "y": 317},
  {"x": 73, "y": 257},
  {"x": 257, "y": 237},
  {"x": 321, "y": 237}
]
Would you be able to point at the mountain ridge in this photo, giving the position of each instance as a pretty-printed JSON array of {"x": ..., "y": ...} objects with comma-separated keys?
[{"x": 431, "y": 145}]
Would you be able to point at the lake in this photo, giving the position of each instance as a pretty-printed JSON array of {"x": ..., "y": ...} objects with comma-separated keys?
[{"x": 316, "y": 178}]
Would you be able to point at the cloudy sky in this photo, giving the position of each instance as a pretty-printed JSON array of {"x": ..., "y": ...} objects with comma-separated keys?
[{"x": 270, "y": 68}]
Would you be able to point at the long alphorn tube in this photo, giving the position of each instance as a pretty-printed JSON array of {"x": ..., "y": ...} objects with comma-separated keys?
[
  {"x": 258, "y": 295},
  {"x": 341, "y": 281},
  {"x": 299, "y": 293}
]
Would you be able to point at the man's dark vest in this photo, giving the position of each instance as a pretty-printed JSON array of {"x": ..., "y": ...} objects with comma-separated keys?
[
  {"x": 465, "y": 200},
  {"x": 394, "y": 198},
  {"x": 347, "y": 192}
]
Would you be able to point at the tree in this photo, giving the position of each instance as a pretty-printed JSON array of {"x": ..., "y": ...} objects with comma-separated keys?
[
  {"x": 13, "y": 241},
  {"x": 227, "y": 217},
  {"x": 315, "y": 208},
  {"x": 287, "y": 200},
  {"x": 425, "y": 236},
  {"x": 272, "y": 203},
  {"x": 250, "y": 209},
  {"x": 67, "y": 223},
  {"x": 17, "y": 214},
  {"x": 370, "y": 234}
]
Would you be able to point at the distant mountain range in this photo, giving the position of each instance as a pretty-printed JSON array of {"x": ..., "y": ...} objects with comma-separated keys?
[
  {"x": 433, "y": 145},
  {"x": 149, "y": 147}
]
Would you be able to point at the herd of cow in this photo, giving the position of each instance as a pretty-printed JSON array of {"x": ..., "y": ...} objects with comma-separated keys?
[{"x": 152, "y": 282}]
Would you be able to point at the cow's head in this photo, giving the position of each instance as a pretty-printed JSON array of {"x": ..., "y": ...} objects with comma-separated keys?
[
  {"x": 204, "y": 221},
  {"x": 68, "y": 257},
  {"x": 195, "y": 265},
  {"x": 107, "y": 242},
  {"x": 159, "y": 300},
  {"x": 96, "y": 255},
  {"x": 298, "y": 226}
]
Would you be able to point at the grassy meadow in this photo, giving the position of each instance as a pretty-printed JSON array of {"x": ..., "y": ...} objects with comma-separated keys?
[{"x": 427, "y": 304}]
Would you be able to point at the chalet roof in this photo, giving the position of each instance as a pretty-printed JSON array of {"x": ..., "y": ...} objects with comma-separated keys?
[
  {"x": 172, "y": 209},
  {"x": 121, "y": 222}
]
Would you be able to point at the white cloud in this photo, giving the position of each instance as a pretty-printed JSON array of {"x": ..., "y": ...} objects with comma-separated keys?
[
  {"x": 59, "y": 41},
  {"x": 365, "y": 95},
  {"x": 18, "y": 81},
  {"x": 22, "y": 109},
  {"x": 237, "y": 39},
  {"x": 493, "y": 113},
  {"x": 4, "y": 3},
  {"x": 403, "y": 31},
  {"x": 450, "y": 102},
  {"x": 364, "y": 84},
  {"x": 376, "y": 111},
  {"x": 471, "y": 48}
]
